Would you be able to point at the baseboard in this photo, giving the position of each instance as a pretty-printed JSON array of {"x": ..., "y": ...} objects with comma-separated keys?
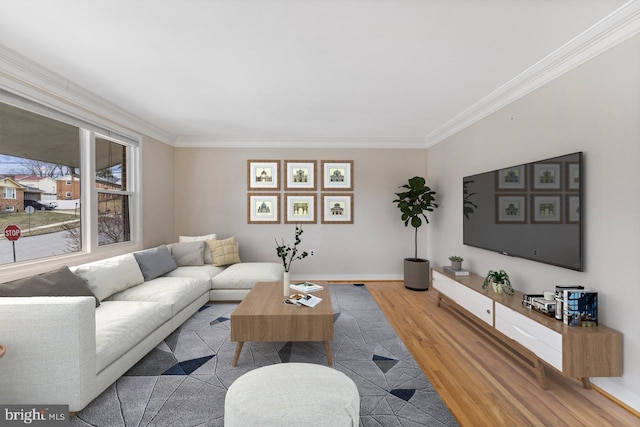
[{"x": 616, "y": 400}]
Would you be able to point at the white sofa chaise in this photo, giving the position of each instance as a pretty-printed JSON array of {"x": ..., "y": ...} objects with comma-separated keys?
[{"x": 65, "y": 350}]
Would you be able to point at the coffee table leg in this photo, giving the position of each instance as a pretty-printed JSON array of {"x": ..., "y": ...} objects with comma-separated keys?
[
  {"x": 327, "y": 351},
  {"x": 237, "y": 355}
]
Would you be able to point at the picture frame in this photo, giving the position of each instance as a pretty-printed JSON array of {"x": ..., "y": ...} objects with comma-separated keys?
[
  {"x": 546, "y": 176},
  {"x": 337, "y": 175},
  {"x": 511, "y": 208},
  {"x": 263, "y": 175},
  {"x": 300, "y": 208},
  {"x": 337, "y": 208},
  {"x": 300, "y": 175},
  {"x": 513, "y": 178},
  {"x": 572, "y": 208},
  {"x": 546, "y": 209},
  {"x": 572, "y": 179},
  {"x": 263, "y": 208}
]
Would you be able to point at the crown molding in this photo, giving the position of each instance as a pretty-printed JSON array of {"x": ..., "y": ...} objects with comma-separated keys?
[
  {"x": 605, "y": 34},
  {"x": 31, "y": 80},
  {"x": 299, "y": 142}
]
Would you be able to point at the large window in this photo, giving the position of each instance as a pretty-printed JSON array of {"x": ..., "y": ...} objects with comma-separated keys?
[{"x": 93, "y": 202}]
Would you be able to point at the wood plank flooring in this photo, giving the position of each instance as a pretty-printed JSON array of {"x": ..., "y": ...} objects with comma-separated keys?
[{"x": 481, "y": 384}]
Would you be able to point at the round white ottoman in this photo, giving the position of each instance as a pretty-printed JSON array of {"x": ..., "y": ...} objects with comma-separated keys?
[{"x": 292, "y": 394}]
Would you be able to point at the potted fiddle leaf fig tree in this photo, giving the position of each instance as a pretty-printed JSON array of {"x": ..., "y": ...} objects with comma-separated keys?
[{"x": 414, "y": 202}]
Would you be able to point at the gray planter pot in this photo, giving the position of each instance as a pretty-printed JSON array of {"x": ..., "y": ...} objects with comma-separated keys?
[
  {"x": 456, "y": 265},
  {"x": 416, "y": 274}
]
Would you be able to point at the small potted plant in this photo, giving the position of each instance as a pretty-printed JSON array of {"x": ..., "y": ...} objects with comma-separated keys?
[
  {"x": 288, "y": 254},
  {"x": 499, "y": 281},
  {"x": 456, "y": 262}
]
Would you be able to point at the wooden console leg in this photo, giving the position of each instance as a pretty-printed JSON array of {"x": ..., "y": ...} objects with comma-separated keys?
[
  {"x": 586, "y": 383},
  {"x": 327, "y": 351},
  {"x": 237, "y": 354},
  {"x": 538, "y": 367}
]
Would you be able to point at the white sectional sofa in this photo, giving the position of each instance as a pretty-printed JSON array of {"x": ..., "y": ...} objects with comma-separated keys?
[{"x": 66, "y": 350}]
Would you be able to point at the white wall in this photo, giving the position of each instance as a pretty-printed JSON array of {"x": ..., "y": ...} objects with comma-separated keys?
[
  {"x": 211, "y": 197},
  {"x": 595, "y": 109}
]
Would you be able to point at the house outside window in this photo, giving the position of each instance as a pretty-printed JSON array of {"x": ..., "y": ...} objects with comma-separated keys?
[{"x": 76, "y": 155}]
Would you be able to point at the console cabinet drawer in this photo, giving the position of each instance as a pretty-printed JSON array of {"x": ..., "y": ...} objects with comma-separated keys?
[
  {"x": 472, "y": 301},
  {"x": 542, "y": 341}
]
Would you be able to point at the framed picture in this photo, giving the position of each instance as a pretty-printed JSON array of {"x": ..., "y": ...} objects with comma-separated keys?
[
  {"x": 337, "y": 175},
  {"x": 546, "y": 176},
  {"x": 301, "y": 175},
  {"x": 337, "y": 208},
  {"x": 511, "y": 209},
  {"x": 511, "y": 178},
  {"x": 573, "y": 176},
  {"x": 263, "y": 208},
  {"x": 546, "y": 209},
  {"x": 263, "y": 174},
  {"x": 301, "y": 208},
  {"x": 572, "y": 208}
]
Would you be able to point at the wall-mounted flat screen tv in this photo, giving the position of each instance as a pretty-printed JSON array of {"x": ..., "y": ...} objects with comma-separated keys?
[{"x": 530, "y": 211}]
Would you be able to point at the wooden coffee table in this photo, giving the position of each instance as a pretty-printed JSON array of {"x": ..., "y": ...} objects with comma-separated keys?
[{"x": 263, "y": 317}]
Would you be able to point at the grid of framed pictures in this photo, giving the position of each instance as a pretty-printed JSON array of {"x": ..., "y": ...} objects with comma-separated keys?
[
  {"x": 541, "y": 193},
  {"x": 299, "y": 201}
]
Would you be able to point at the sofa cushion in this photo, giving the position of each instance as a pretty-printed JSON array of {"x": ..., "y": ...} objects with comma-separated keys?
[
  {"x": 123, "y": 324},
  {"x": 108, "y": 276},
  {"x": 205, "y": 272},
  {"x": 246, "y": 274},
  {"x": 207, "y": 252},
  {"x": 155, "y": 262},
  {"x": 188, "y": 253},
  {"x": 58, "y": 282},
  {"x": 224, "y": 252},
  {"x": 178, "y": 292}
]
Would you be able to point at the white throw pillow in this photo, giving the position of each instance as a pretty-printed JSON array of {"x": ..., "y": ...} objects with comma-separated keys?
[
  {"x": 109, "y": 276},
  {"x": 208, "y": 258}
]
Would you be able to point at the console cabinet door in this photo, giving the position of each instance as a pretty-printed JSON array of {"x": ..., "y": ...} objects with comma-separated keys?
[
  {"x": 475, "y": 303},
  {"x": 545, "y": 343}
]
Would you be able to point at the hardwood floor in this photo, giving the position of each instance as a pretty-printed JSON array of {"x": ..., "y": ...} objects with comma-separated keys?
[{"x": 481, "y": 384}]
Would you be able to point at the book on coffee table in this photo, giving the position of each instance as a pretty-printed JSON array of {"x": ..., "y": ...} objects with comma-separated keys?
[
  {"x": 306, "y": 287},
  {"x": 306, "y": 300}
]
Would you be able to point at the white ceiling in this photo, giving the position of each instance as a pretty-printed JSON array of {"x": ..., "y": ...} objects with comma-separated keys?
[{"x": 320, "y": 72}]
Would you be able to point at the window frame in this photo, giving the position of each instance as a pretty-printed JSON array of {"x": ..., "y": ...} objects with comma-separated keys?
[{"x": 90, "y": 128}]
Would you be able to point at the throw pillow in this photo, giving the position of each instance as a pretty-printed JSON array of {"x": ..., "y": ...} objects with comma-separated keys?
[
  {"x": 188, "y": 253},
  {"x": 155, "y": 262},
  {"x": 224, "y": 252},
  {"x": 59, "y": 282},
  {"x": 208, "y": 259},
  {"x": 109, "y": 276}
]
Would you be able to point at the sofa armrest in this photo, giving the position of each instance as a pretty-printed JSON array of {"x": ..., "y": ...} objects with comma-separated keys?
[{"x": 50, "y": 350}]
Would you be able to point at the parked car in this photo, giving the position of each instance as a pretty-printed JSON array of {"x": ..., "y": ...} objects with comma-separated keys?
[{"x": 37, "y": 205}]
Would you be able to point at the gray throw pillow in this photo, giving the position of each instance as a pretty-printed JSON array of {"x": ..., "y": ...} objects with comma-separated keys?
[
  {"x": 155, "y": 262},
  {"x": 188, "y": 253},
  {"x": 59, "y": 282}
]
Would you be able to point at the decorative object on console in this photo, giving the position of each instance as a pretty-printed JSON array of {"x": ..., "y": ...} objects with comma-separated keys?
[
  {"x": 456, "y": 262},
  {"x": 499, "y": 281},
  {"x": 288, "y": 254},
  {"x": 580, "y": 307},
  {"x": 453, "y": 272},
  {"x": 560, "y": 298},
  {"x": 414, "y": 204}
]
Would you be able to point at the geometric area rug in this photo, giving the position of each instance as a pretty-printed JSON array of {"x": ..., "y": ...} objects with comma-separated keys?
[{"x": 183, "y": 381}]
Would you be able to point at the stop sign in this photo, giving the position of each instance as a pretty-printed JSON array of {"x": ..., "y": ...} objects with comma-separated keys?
[{"x": 12, "y": 232}]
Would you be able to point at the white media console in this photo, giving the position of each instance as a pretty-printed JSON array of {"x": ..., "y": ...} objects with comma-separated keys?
[{"x": 532, "y": 337}]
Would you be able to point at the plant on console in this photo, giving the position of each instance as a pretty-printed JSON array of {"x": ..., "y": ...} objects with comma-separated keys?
[
  {"x": 500, "y": 282},
  {"x": 287, "y": 253}
]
